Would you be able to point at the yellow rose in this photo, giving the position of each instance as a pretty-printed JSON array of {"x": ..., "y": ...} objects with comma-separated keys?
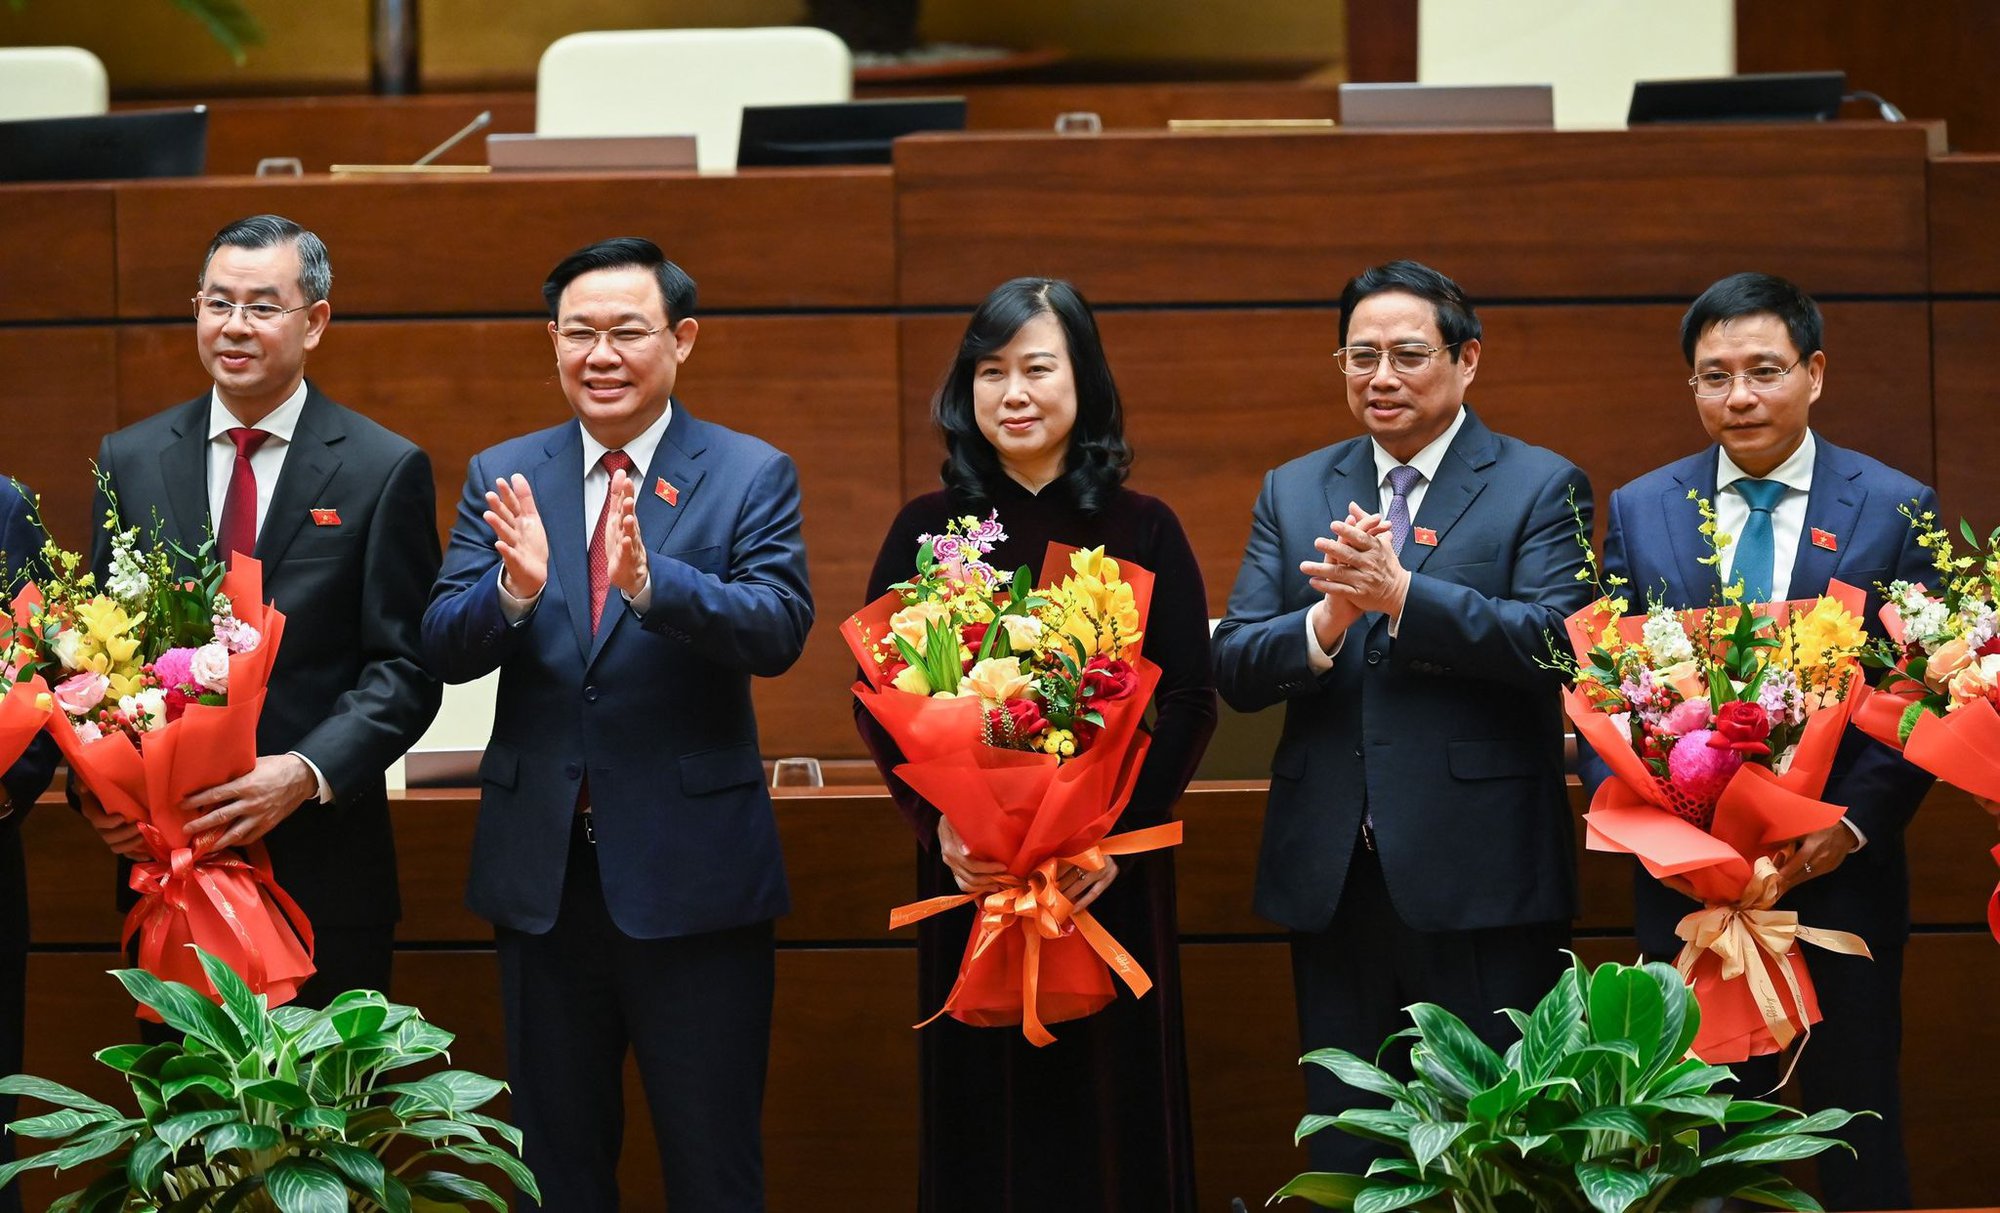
[
  {"x": 996, "y": 680},
  {"x": 1023, "y": 631},
  {"x": 913, "y": 621},
  {"x": 1685, "y": 677},
  {"x": 911, "y": 679},
  {"x": 1978, "y": 680}
]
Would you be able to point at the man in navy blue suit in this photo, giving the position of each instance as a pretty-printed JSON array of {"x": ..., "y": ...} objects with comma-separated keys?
[
  {"x": 1397, "y": 594},
  {"x": 27, "y": 778},
  {"x": 1801, "y": 512},
  {"x": 628, "y": 572}
]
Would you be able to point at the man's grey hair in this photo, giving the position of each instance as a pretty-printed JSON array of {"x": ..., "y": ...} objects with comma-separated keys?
[{"x": 268, "y": 231}]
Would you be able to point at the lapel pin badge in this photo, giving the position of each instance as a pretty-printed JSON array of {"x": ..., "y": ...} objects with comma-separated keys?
[
  {"x": 666, "y": 492},
  {"x": 325, "y": 517},
  {"x": 1425, "y": 536},
  {"x": 1825, "y": 539}
]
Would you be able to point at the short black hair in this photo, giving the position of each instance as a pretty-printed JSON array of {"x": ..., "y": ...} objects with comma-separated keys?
[
  {"x": 269, "y": 231},
  {"x": 1455, "y": 318},
  {"x": 1098, "y": 458},
  {"x": 623, "y": 252},
  {"x": 1754, "y": 294}
]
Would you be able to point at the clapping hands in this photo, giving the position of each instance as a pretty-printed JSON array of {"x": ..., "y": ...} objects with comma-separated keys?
[{"x": 1357, "y": 572}]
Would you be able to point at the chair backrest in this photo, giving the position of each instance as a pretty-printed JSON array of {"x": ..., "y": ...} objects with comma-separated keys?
[
  {"x": 51, "y": 82},
  {"x": 685, "y": 82}
]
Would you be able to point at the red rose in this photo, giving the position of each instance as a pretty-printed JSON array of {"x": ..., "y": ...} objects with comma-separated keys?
[
  {"x": 1085, "y": 732},
  {"x": 972, "y": 635},
  {"x": 1105, "y": 678},
  {"x": 1741, "y": 727},
  {"x": 1028, "y": 718},
  {"x": 177, "y": 701},
  {"x": 1989, "y": 649}
]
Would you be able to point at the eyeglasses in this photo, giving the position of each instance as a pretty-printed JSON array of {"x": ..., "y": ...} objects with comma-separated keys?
[
  {"x": 263, "y": 315},
  {"x": 625, "y": 337},
  {"x": 1409, "y": 359},
  {"x": 1710, "y": 384}
]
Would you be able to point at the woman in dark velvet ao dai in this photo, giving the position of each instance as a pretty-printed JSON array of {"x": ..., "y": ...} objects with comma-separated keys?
[{"x": 1098, "y": 1120}]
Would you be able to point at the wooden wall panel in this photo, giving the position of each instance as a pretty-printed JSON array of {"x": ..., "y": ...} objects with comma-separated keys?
[
  {"x": 1967, "y": 413},
  {"x": 1965, "y": 253},
  {"x": 1591, "y": 214},
  {"x": 456, "y": 388},
  {"x": 57, "y": 387},
  {"x": 482, "y": 245},
  {"x": 59, "y": 242},
  {"x": 324, "y": 131}
]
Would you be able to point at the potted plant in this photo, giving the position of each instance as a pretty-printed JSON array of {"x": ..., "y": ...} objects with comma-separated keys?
[
  {"x": 1597, "y": 1107},
  {"x": 285, "y": 1110}
]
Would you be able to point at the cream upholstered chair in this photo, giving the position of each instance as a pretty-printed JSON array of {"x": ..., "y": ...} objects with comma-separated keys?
[
  {"x": 51, "y": 82},
  {"x": 685, "y": 82}
]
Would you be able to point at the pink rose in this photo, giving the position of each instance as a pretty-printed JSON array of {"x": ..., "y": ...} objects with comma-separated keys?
[
  {"x": 210, "y": 668},
  {"x": 78, "y": 695},
  {"x": 1686, "y": 718}
]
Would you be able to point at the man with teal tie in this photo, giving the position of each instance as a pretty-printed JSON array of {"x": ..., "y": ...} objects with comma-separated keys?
[{"x": 1801, "y": 512}]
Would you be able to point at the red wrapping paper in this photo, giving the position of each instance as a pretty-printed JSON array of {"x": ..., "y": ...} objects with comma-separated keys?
[
  {"x": 1744, "y": 1015},
  {"x": 1031, "y": 958},
  {"x": 225, "y": 902}
]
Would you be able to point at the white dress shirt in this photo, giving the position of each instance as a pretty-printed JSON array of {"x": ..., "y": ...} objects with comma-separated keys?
[
  {"x": 1788, "y": 517},
  {"x": 267, "y": 461},
  {"x": 1426, "y": 462},
  {"x": 596, "y": 487}
]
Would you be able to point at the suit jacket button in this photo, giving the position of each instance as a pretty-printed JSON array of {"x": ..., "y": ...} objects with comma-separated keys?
[
  {"x": 1374, "y": 657},
  {"x": 1357, "y": 751},
  {"x": 590, "y": 694}
]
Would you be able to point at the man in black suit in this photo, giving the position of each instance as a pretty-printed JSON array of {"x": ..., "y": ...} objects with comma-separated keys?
[
  {"x": 340, "y": 512},
  {"x": 1396, "y": 594},
  {"x": 20, "y": 784}
]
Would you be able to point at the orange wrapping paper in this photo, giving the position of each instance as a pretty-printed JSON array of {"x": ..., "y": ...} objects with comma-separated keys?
[
  {"x": 225, "y": 902},
  {"x": 1744, "y": 1015},
  {"x": 1032, "y": 960},
  {"x": 23, "y": 713}
]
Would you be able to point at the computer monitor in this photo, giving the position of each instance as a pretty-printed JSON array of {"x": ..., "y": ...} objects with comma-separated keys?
[
  {"x": 126, "y": 143},
  {"x": 1764, "y": 97},
  {"x": 848, "y": 132},
  {"x": 1402, "y": 106}
]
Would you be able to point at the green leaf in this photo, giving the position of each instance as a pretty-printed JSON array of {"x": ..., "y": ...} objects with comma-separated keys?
[
  {"x": 1377, "y": 1124},
  {"x": 279, "y": 1092},
  {"x": 244, "y": 1009},
  {"x": 1611, "y": 1189},
  {"x": 228, "y": 23},
  {"x": 1497, "y": 1102},
  {"x": 306, "y": 1120},
  {"x": 239, "y": 1192},
  {"x": 122, "y": 1058},
  {"x": 1428, "y": 1141},
  {"x": 1681, "y": 1017},
  {"x": 1625, "y": 1005},
  {"x": 1355, "y": 1072},
  {"x": 446, "y": 1187},
  {"x": 53, "y": 1093},
  {"x": 1386, "y": 1199},
  {"x": 63, "y": 1122},
  {"x": 480, "y": 1154},
  {"x": 1776, "y": 1193},
  {"x": 1555, "y": 1027},
  {"x": 148, "y": 1159},
  {"x": 506, "y": 1132},
  {"x": 240, "y": 1136},
  {"x": 1711, "y": 1108},
  {"x": 183, "y": 1009},
  {"x": 299, "y": 1185},
  {"x": 1690, "y": 1077},
  {"x": 177, "y": 1131},
  {"x": 357, "y": 1013},
  {"x": 361, "y": 1169},
  {"x": 1450, "y": 1055},
  {"x": 1826, "y": 1120},
  {"x": 1613, "y": 1120},
  {"x": 1311, "y": 1123},
  {"x": 1327, "y": 1189},
  {"x": 1779, "y": 1149}
]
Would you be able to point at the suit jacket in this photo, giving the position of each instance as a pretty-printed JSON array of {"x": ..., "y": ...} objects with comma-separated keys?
[
  {"x": 349, "y": 690},
  {"x": 1652, "y": 538},
  {"x": 1448, "y": 735},
  {"x": 655, "y": 710}
]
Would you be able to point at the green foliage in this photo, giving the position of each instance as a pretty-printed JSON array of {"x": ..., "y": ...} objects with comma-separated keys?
[
  {"x": 283, "y": 1110},
  {"x": 1598, "y": 1106}
]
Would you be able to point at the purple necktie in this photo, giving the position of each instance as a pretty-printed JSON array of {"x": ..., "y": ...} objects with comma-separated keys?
[{"x": 1402, "y": 478}]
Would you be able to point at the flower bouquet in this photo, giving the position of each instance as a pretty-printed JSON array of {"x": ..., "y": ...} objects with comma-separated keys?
[
  {"x": 1018, "y": 708},
  {"x": 1719, "y": 726},
  {"x": 156, "y": 682},
  {"x": 1938, "y": 700}
]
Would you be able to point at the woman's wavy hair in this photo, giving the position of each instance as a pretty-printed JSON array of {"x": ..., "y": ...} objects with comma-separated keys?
[{"x": 1098, "y": 458}]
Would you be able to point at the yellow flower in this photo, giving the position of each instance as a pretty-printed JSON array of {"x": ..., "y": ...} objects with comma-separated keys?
[
  {"x": 1825, "y": 636},
  {"x": 913, "y": 621},
  {"x": 1060, "y": 742},
  {"x": 911, "y": 679},
  {"x": 996, "y": 680},
  {"x": 1093, "y": 563}
]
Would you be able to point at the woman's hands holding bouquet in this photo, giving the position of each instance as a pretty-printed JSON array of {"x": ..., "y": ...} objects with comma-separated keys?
[{"x": 982, "y": 876}]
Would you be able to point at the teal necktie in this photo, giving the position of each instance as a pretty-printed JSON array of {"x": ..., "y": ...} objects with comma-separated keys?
[{"x": 1755, "y": 549}]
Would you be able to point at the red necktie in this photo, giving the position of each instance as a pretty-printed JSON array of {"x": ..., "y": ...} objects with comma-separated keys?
[
  {"x": 238, "y": 531},
  {"x": 600, "y": 557}
]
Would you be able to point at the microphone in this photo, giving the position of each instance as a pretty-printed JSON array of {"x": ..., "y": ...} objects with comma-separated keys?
[{"x": 484, "y": 119}]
